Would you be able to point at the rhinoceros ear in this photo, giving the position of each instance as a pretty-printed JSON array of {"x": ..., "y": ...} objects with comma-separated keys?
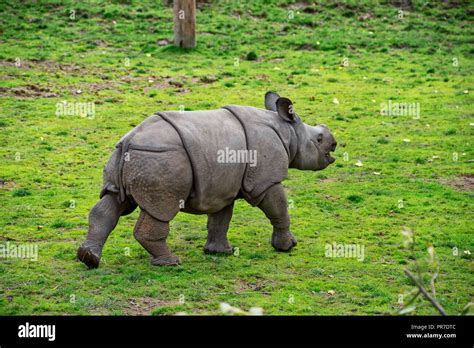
[
  {"x": 270, "y": 101},
  {"x": 285, "y": 109}
]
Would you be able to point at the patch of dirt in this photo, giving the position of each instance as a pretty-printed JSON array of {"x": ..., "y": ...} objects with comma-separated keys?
[
  {"x": 463, "y": 182},
  {"x": 262, "y": 77},
  {"x": 150, "y": 83},
  {"x": 101, "y": 43},
  {"x": 366, "y": 16},
  {"x": 28, "y": 91},
  {"x": 145, "y": 305},
  {"x": 7, "y": 184},
  {"x": 8, "y": 238},
  {"x": 305, "y": 47},
  {"x": 303, "y": 6},
  {"x": 91, "y": 87},
  {"x": 245, "y": 286},
  {"x": 209, "y": 78},
  {"x": 7, "y": 77},
  {"x": 166, "y": 82},
  {"x": 310, "y": 10},
  {"x": 327, "y": 180},
  {"x": 182, "y": 91},
  {"x": 329, "y": 197},
  {"x": 276, "y": 60},
  {"x": 43, "y": 65},
  {"x": 298, "y": 5},
  {"x": 163, "y": 42},
  {"x": 247, "y": 14},
  {"x": 404, "y": 4},
  {"x": 350, "y": 48},
  {"x": 129, "y": 78},
  {"x": 400, "y": 46}
]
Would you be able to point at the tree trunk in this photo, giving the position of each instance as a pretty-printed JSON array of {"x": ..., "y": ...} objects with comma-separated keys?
[{"x": 185, "y": 23}]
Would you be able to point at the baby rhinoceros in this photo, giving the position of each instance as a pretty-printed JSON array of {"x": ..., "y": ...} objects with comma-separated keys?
[{"x": 200, "y": 162}]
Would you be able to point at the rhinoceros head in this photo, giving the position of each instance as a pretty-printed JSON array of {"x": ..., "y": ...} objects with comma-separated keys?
[{"x": 314, "y": 144}]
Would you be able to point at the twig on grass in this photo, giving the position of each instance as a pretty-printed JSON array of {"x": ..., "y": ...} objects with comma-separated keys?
[{"x": 425, "y": 293}]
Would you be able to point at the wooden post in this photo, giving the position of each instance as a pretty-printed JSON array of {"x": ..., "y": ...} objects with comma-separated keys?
[{"x": 185, "y": 23}]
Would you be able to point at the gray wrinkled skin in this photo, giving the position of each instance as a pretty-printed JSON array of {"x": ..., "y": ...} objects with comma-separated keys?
[{"x": 170, "y": 163}]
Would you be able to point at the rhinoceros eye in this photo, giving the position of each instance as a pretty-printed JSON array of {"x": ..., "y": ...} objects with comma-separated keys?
[{"x": 320, "y": 138}]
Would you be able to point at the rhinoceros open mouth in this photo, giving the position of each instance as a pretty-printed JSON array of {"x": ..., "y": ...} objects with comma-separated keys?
[{"x": 329, "y": 158}]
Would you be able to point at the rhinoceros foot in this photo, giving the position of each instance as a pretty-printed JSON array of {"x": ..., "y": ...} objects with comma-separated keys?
[
  {"x": 88, "y": 256},
  {"x": 218, "y": 248},
  {"x": 283, "y": 241},
  {"x": 165, "y": 260}
]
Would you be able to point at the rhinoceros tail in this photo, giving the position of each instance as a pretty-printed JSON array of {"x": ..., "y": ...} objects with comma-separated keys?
[{"x": 113, "y": 179}]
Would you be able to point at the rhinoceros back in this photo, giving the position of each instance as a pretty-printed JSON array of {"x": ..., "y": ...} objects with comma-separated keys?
[{"x": 206, "y": 135}]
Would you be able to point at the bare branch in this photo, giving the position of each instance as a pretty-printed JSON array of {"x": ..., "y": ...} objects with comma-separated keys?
[
  {"x": 432, "y": 282},
  {"x": 425, "y": 293}
]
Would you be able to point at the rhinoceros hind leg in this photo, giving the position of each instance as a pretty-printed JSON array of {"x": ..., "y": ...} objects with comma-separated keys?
[
  {"x": 103, "y": 218},
  {"x": 151, "y": 234},
  {"x": 217, "y": 227},
  {"x": 275, "y": 207}
]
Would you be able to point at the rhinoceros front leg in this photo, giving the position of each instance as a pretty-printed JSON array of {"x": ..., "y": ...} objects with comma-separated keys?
[
  {"x": 151, "y": 234},
  {"x": 275, "y": 207},
  {"x": 103, "y": 218},
  {"x": 217, "y": 227}
]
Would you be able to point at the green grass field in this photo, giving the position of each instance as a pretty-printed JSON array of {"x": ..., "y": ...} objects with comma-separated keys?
[{"x": 339, "y": 61}]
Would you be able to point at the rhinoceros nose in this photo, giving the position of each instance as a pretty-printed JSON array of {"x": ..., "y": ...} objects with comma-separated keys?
[{"x": 334, "y": 144}]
